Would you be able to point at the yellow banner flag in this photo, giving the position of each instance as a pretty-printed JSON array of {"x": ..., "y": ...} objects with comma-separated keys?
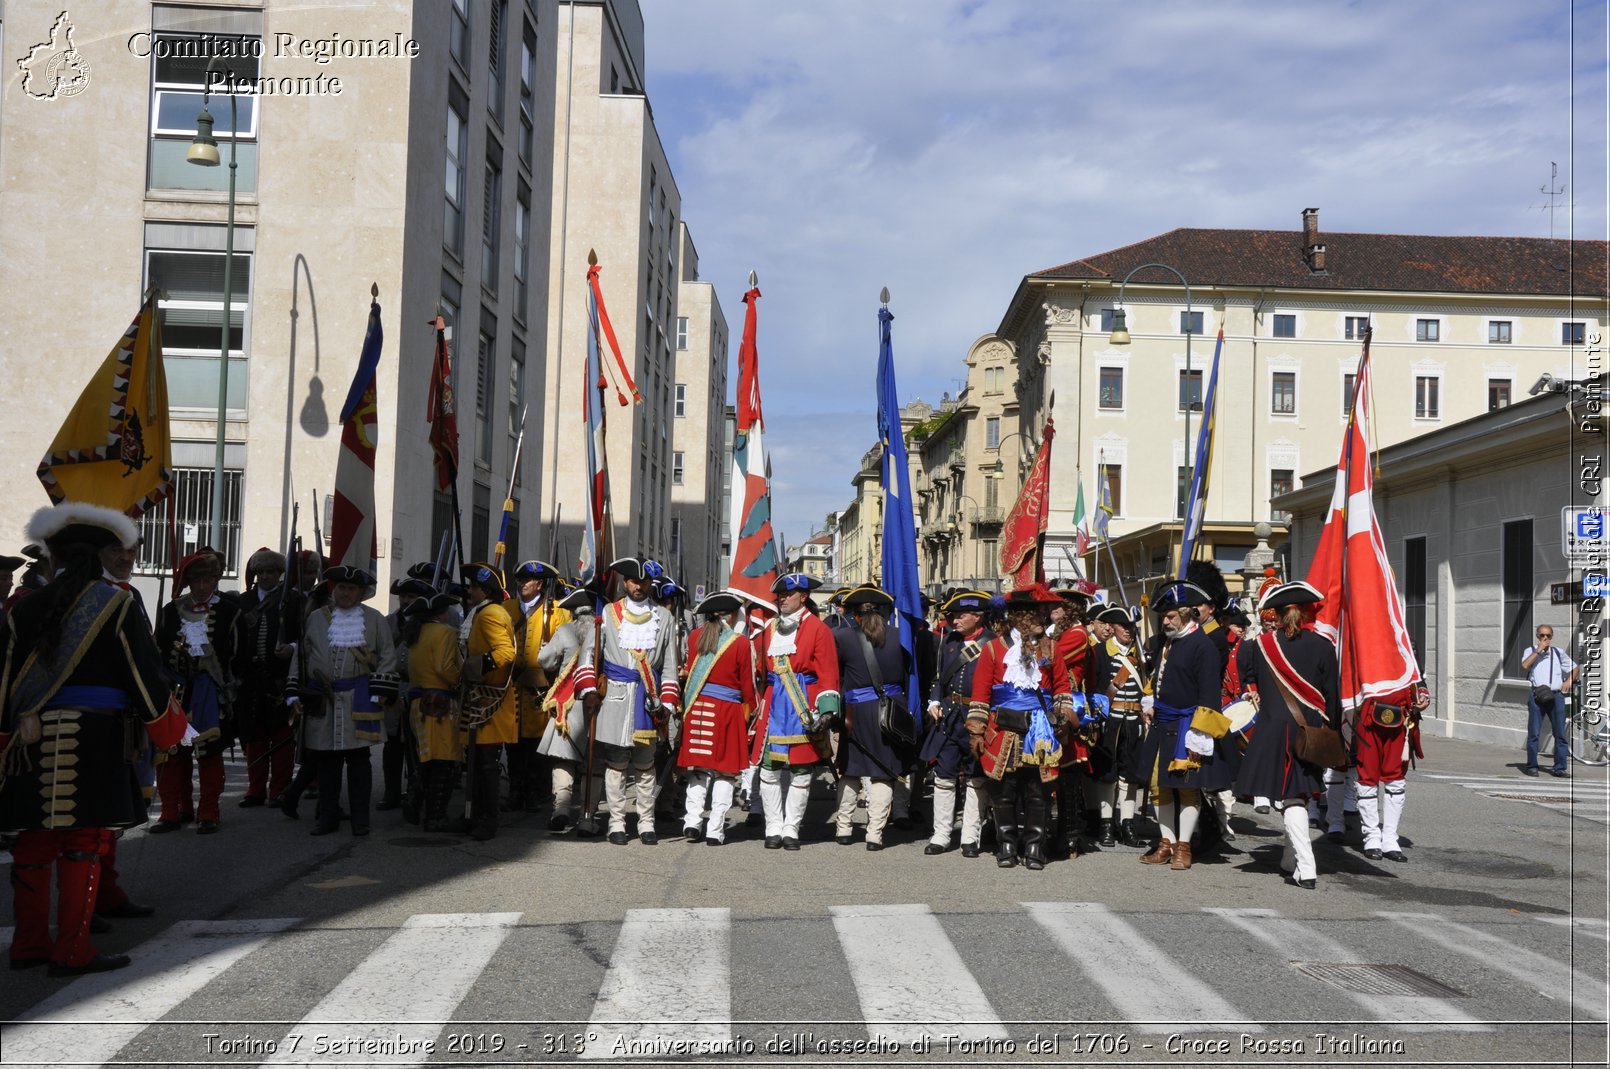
[{"x": 115, "y": 447}]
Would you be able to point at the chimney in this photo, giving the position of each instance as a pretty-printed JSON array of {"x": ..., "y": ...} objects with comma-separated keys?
[{"x": 1313, "y": 251}]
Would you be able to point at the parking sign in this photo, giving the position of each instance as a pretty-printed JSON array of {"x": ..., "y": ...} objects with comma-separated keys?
[{"x": 1582, "y": 533}]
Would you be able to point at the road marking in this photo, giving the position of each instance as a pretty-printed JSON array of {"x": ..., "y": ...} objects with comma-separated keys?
[
  {"x": 669, "y": 978},
  {"x": 421, "y": 973},
  {"x": 95, "y": 1016},
  {"x": 1589, "y": 797},
  {"x": 1152, "y": 991},
  {"x": 906, "y": 969},
  {"x": 1585, "y": 925},
  {"x": 1550, "y": 978},
  {"x": 1296, "y": 941}
]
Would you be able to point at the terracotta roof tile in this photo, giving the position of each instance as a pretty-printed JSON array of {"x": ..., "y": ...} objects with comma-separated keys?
[{"x": 1391, "y": 262}]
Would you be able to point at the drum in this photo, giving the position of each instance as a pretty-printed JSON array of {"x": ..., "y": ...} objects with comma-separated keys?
[{"x": 1242, "y": 715}]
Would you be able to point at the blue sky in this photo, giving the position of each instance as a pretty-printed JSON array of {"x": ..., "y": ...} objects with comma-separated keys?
[{"x": 946, "y": 148}]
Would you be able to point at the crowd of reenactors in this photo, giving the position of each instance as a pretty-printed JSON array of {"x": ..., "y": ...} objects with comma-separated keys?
[{"x": 1063, "y": 723}]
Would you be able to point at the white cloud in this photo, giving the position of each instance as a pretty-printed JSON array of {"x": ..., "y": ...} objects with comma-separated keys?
[{"x": 946, "y": 148}]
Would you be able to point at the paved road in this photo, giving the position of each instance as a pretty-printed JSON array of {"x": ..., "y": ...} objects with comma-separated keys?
[{"x": 1489, "y": 946}]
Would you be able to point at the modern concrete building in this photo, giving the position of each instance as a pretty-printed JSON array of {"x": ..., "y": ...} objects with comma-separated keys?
[
  {"x": 347, "y": 120},
  {"x": 614, "y": 194},
  {"x": 1461, "y": 326},
  {"x": 1477, "y": 517},
  {"x": 701, "y": 460}
]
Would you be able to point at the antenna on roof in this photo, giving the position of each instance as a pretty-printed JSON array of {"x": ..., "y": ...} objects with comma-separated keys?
[{"x": 1552, "y": 194}]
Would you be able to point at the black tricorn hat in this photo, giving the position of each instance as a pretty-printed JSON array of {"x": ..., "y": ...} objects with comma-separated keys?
[
  {"x": 1294, "y": 593},
  {"x": 1115, "y": 614},
  {"x": 432, "y": 604},
  {"x": 348, "y": 573},
  {"x": 1174, "y": 594},
  {"x": 868, "y": 597},
  {"x": 718, "y": 604}
]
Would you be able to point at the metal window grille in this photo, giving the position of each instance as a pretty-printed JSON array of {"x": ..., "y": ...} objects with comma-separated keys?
[{"x": 191, "y": 507}]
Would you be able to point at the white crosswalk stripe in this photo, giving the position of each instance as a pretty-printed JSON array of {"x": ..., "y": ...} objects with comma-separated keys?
[
  {"x": 915, "y": 975},
  {"x": 95, "y": 1016},
  {"x": 427, "y": 966},
  {"x": 906, "y": 969},
  {"x": 1296, "y": 941},
  {"x": 1554, "y": 979},
  {"x": 1577, "y": 797},
  {"x": 669, "y": 976},
  {"x": 1157, "y": 994}
]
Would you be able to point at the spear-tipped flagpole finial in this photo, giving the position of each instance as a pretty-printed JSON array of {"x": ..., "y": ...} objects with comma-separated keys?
[
  {"x": 374, "y": 290},
  {"x": 884, "y": 296},
  {"x": 754, "y": 280},
  {"x": 592, "y": 257}
]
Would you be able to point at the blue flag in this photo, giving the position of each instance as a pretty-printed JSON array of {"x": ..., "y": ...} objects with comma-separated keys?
[
  {"x": 899, "y": 526},
  {"x": 1196, "y": 503}
]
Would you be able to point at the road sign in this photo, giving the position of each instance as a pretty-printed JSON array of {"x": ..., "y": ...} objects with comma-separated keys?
[
  {"x": 1582, "y": 532},
  {"x": 1596, "y": 585}
]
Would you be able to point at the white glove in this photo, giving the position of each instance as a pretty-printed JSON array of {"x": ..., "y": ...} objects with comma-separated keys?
[
  {"x": 934, "y": 710},
  {"x": 190, "y": 735},
  {"x": 1146, "y": 703}
]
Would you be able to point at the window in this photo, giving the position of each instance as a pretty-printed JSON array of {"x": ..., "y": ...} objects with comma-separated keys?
[
  {"x": 458, "y": 147},
  {"x": 1426, "y": 404},
  {"x": 1500, "y": 332},
  {"x": 480, "y": 515},
  {"x": 1497, "y": 394},
  {"x": 492, "y": 220},
  {"x": 1112, "y": 388},
  {"x": 1285, "y": 326},
  {"x": 992, "y": 494},
  {"x": 1115, "y": 487},
  {"x": 1190, "y": 322},
  {"x": 458, "y": 38},
  {"x": 1414, "y": 595},
  {"x": 522, "y": 252},
  {"x": 192, "y": 498},
  {"x": 499, "y": 13},
  {"x": 1428, "y": 330},
  {"x": 676, "y": 467},
  {"x": 1106, "y": 320},
  {"x": 994, "y": 379},
  {"x": 1517, "y": 622},
  {"x": 528, "y": 81},
  {"x": 1182, "y": 487},
  {"x": 1280, "y": 481},
  {"x": 989, "y": 558},
  {"x": 485, "y": 354},
  {"x": 681, "y": 399},
  {"x": 1573, "y": 333},
  {"x": 681, "y": 333},
  {"x": 1349, "y": 384},
  {"x": 992, "y": 433},
  {"x": 1191, "y": 390},
  {"x": 1355, "y": 326},
  {"x": 1283, "y": 393},
  {"x": 516, "y": 388},
  {"x": 192, "y": 323},
  {"x": 178, "y": 76}
]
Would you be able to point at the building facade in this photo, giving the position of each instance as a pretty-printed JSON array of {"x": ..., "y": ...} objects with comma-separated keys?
[
  {"x": 700, "y": 458},
  {"x": 1472, "y": 516},
  {"x": 1460, "y": 325},
  {"x": 345, "y": 121}
]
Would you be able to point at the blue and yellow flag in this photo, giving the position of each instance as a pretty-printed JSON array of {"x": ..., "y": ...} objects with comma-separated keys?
[
  {"x": 1196, "y": 503},
  {"x": 115, "y": 449}
]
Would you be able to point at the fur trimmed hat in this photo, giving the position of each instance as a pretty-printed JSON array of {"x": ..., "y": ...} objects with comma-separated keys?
[{"x": 76, "y": 521}]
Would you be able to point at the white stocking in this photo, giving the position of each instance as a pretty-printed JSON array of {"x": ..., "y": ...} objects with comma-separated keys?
[
  {"x": 974, "y": 806},
  {"x": 944, "y": 811},
  {"x": 1188, "y": 814},
  {"x": 721, "y": 791},
  {"x": 771, "y": 797},
  {"x": 698, "y": 788},
  {"x": 1301, "y": 847},
  {"x": 615, "y": 796},
  {"x": 799, "y": 793},
  {"x": 1392, "y": 812},
  {"x": 1369, "y": 815}
]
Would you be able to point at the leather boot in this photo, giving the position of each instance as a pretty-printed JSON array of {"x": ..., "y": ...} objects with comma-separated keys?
[
  {"x": 77, "y": 873},
  {"x": 519, "y": 778},
  {"x": 1182, "y": 857},
  {"x": 1162, "y": 855},
  {"x": 1127, "y": 835},
  {"x": 1036, "y": 807},
  {"x": 1105, "y": 835},
  {"x": 391, "y": 770},
  {"x": 438, "y": 796},
  {"x": 488, "y": 775},
  {"x": 1006, "y": 855},
  {"x": 536, "y": 775}
]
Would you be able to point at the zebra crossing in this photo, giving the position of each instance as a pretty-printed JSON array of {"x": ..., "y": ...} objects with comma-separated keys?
[
  {"x": 1585, "y": 796},
  {"x": 669, "y": 982}
]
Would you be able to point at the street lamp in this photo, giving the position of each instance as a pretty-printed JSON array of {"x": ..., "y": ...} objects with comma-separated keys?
[
  {"x": 1120, "y": 336},
  {"x": 204, "y": 153},
  {"x": 1000, "y": 466}
]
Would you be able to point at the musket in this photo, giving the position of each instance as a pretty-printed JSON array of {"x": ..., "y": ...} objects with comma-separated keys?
[
  {"x": 442, "y": 557},
  {"x": 508, "y": 500},
  {"x": 318, "y": 531}
]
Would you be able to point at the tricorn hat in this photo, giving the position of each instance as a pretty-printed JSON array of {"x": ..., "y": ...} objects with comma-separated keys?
[
  {"x": 637, "y": 568},
  {"x": 535, "y": 569},
  {"x": 1115, "y": 614},
  {"x": 11, "y": 564},
  {"x": 411, "y": 587},
  {"x": 792, "y": 581},
  {"x": 961, "y": 601},
  {"x": 718, "y": 604},
  {"x": 1174, "y": 594},
  {"x": 868, "y": 596},
  {"x": 432, "y": 604},
  {"x": 1027, "y": 597},
  {"x": 1294, "y": 593},
  {"x": 349, "y": 573},
  {"x": 484, "y": 576}
]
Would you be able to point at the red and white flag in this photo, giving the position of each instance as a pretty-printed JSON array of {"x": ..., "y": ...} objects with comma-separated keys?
[
  {"x": 1362, "y": 613},
  {"x": 1023, "y": 536},
  {"x": 352, "y": 522}
]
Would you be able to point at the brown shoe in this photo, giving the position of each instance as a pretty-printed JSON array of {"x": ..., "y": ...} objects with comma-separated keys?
[
  {"x": 1160, "y": 856},
  {"x": 1182, "y": 857}
]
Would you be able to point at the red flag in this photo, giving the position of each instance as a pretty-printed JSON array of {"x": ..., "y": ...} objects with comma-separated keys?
[
  {"x": 1362, "y": 612},
  {"x": 1021, "y": 558},
  {"x": 440, "y": 411}
]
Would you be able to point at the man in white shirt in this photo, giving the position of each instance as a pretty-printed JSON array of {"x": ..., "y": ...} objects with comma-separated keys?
[{"x": 1551, "y": 673}]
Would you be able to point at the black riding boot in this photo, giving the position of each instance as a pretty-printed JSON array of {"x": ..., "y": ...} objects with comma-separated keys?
[{"x": 1035, "y": 806}]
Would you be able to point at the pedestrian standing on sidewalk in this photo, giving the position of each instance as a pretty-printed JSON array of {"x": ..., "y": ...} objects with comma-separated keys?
[{"x": 1551, "y": 673}]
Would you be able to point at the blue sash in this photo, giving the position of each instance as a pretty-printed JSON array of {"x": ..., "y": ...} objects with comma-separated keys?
[
  {"x": 1181, "y": 718},
  {"x": 1040, "y": 744},
  {"x": 1091, "y": 709},
  {"x": 86, "y": 696},
  {"x": 785, "y": 725},
  {"x": 1006, "y": 696},
  {"x": 722, "y": 693},
  {"x": 642, "y": 722},
  {"x": 863, "y": 695},
  {"x": 366, "y": 716}
]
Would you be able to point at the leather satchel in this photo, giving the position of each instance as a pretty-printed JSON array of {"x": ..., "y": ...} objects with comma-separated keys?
[
  {"x": 895, "y": 722},
  {"x": 1322, "y": 747}
]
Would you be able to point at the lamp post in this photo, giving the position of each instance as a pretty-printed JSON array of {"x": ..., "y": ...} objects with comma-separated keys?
[
  {"x": 968, "y": 497},
  {"x": 1000, "y": 467},
  {"x": 1120, "y": 336},
  {"x": 204, "y": 153}
]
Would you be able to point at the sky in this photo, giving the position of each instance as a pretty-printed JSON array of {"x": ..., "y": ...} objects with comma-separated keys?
[{"x": 947, "y": 148}]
